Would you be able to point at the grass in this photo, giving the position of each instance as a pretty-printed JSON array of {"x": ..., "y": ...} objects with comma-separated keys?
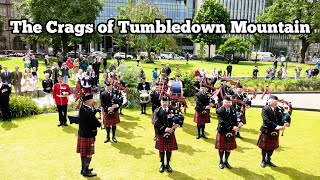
[
  {"x": 34, "y": 148},
  {"x": 244, "y": 68}
]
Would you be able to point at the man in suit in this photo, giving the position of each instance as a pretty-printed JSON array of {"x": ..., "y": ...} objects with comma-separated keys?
[
  {"x": 5, "y": 91},
  {"x": 143, "y": 86},
  {"x": 6, "y": 76},
  {"x": 270, "y": 129},
  {"x": 16, "y": 80},
  {"x": 239, "y": 107},
  {"x": 227, "y": 126},
  {"x": 202, "y": 111},
  {"x": 110, "y": 111},
  {"x": 165, "y": 138}
]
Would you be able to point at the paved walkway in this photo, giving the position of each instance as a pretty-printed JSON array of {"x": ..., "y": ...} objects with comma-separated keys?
[{"x": 300, "y": 101}]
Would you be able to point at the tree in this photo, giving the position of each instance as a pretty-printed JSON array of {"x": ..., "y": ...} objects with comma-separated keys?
[
  {"x": 211, "y": 12},
  {"x": 66, "y": 11},
  {"x": 233, "y": 45},
  {"x": 288, "y": 10},
  {"x": 1, "y": 24},
  {"x": 256, "y": 41},
  {"x": 146, "y": 13}
]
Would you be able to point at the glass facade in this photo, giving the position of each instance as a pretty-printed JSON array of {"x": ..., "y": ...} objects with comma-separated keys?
[{"x": 177, "y": 10}]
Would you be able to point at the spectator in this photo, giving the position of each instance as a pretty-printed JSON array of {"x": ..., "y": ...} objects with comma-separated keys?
[
  {"x": 55, "y": 72},
  {"x": 284, "y": 73},
  {"x": 318, "y": 63},
  {"x": 49, "y": 71},
  {"x": 163, "y": 71},
  {"x": 142, "y": 74},
  {"x": 76, "y": 66},
  {"x": 168, "y": 70},
  {"x": 69, "y": 63},
  {"x": 229, "y": 70},
  {"x": 96, "y": 68},
  {"x": 315, "y": 72},
  {"x": 27, "y": 84},
  {"x": 275, "y": 64},
  {"x": 309, "y": 73},
  {"x": 83, "y": 65},
  {"x": 197, "y": 72},
  {"x": 203, "y": 73},
  {"x": 65, "y": 73},
  {"x": 255, "y": 72},
  {"x": 187, "y": 57},
  {"x": 154, "y": 76},
  {"x": 214, "y": 72},
  {"x": 6, "y": 76},
  {"x": 219, "y": 73},
  {"x": 90, "y": 71},
  {"x": 35, "y": 77},
  {"x": 282, "y": 59},
  {"x": 27, "y": 62},
  {"x": 5, "y": 92},
  {"x": 34, "y": 62},
  {"x": 79, "y": 76},
  {"x": 105, "y": 59},
  {"x": 47, "y": 84},
  {"x": 298, "y": 72},
  {"x": 60, "y": 59},
  {"x": 16, "y": 80},
  {"x": 112, "y": 67},
  {"x": 47, "y": 60}
]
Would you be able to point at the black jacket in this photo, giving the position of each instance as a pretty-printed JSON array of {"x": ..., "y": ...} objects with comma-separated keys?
[
  {"x": 155, "y": 102},
  {"x": 88, "y": 122},
  {"x": 6, "y": 78},
  {"x": 226, "y": 120},
  {"x": 49, "y": 71},
  {"x": 147, "y": 86},
  {"x": 236, "y": 105},
  {"x": 106, "y": 99},
  {"x": 196, "y": 85},
  {"x": 34, "y": 63},
  {"x": 271, "y": 119},
  {"x": 47, "y": 85},
  {"x": 5, "y": 92},
  {"x": 202, "y": 100},
  {"x": 161, "y": 121}
]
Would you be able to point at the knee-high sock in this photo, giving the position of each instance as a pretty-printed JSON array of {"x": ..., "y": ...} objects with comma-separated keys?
[
  {"x": 199, "y": 127},
  {"x": 108, "y": 131},
  {"x": 161, "y": 154},
  {"x": 263, "y": 153},
  {"x": 87, "y": 161},
  {"x": 269, "y": 154},
  {"x": 141, "y": 108},
  {"x": 221, "y": 156},
  {"x": 82, "y": 163},
  {"x": 202, "y": 129},
  {"x": 168, "y": 153},
  {"x": 226, "y": 156},
  {"x": 155, "y": 131},
  {"x": 114, "y": 128}
]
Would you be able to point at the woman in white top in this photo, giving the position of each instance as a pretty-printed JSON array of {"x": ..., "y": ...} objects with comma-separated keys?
[
  {"x": 27, "y": 84},
  {"x": 284, "y": 73},
  {"x": 35, "y": 77},
  {"x": 79, "y": 75}
]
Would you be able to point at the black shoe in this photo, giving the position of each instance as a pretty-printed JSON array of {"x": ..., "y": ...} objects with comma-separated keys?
[
  {"x": 90, "y": 169},
  {"x": 221, "y": 165},
  {"x": 169, "y": 169},
  {"x": 204, "y": 136},
  {"x": 198, "y": 137},
  {"x": 271, "y": 164},
  {"x": 107, "y": 140},
  {"x": 161, "y": 169},
  {"x": 263, "y": 164},
  {"x": 227, "y": 165},
  {"x": 59, "y": 125},
  {"x": 65, "y": 124},
  {"x": 121, "y": 113},
  {"x": 89, "y": 174},
  {"x": 238, "y": 136},
  {"x": 114, "y": 139}
]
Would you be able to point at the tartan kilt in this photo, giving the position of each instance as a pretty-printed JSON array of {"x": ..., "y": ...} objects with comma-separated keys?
[
  {"x": 268, "y": 142},
  {"x": 162, "y": 146},
  {"x": 111, "y": 120},
  {"x": 85, "y": 146},
  {"x": 223, "y": 145},
  {"x": 152, "y": 120},
  {"x": 87, "y": 90},
  {"x": 199, "y": 118}
]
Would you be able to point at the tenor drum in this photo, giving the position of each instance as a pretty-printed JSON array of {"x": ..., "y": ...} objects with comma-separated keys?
[
  {"x": 176, "y": 88},
  {"x": 144, "y": 97}
]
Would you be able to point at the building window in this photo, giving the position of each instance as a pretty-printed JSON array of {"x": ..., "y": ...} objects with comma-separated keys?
[
  {"x": 13, "y": 13},
  {"x": 3, "y": 1},
  {"x": 18, "y": 44},
  {"x": 3, "y": 11},
  {"x": 3, "y": 42}
]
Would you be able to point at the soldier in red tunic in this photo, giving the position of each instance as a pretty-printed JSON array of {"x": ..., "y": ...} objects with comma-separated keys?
[
  {"x": 227, "y": 126},
  {"x": 269, "y": 131}
]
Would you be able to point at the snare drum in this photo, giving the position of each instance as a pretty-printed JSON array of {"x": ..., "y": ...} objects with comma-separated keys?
[{"x": 144, "y": 97}]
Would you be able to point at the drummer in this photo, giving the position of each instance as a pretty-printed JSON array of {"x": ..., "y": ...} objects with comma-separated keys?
[
  {"x": 178, "y": 79},
  {"x": 123, "y": 84},
  {"x": 143, "y": 86}
]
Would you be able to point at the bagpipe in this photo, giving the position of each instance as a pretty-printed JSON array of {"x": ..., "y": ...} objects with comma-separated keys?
[
  {"x": 176, "y": 117},
  {"x": 267, "y": 92},
  {"x": 286, "y": 116}
]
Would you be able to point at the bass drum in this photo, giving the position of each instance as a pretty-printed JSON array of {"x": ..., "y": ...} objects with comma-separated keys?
[
  {"x": 176, "y": 88},
  {"x": 124, "y": 98},
  {"x": 144, "y": 97}
]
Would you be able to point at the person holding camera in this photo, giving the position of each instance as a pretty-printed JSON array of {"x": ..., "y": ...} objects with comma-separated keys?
[
  {"x": 110, "y": 104},
  {"x": 269, "y": 131},
  {"x": 202, "y": 110},
  {"x": 88, "y": 124},
  {"x": 227, "y": 126},
  {"x": 60, "y": 94},
  {"x": 165, "y": 137}
]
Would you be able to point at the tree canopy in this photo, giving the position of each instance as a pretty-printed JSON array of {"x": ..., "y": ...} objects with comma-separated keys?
[
  {"x": 211, "y": 12},
  {"x": 233, "y": 45},
  {"x": 288, "y": 10}
]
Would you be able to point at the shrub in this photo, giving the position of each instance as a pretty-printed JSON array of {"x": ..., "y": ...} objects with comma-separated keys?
[
  {"x": 21, "y": 106},
  {"x": 188, "y": 80}
]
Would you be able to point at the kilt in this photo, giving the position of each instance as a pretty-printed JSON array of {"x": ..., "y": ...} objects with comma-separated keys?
[
  {"x": 223, "y": 145},
  {"x": 87, "y": 90},
  {"x": 268, "y": 142},
  {"x": 85, "y": 146},
  {"x": 111, "y": 120},
  {"x": 199, "y": 118},
  {"x": 162, "y": 146}
]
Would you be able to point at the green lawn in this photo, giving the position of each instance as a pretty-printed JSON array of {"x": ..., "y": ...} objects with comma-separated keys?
[
  {"x": 242, "y": 69},
  {"x": 35, "y": 148}
]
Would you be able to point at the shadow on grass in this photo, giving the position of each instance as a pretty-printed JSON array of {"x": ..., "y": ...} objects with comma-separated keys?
[
  {"x": 190, "y": 129},
  {"x": 95, "y": 178},
  {"x": 241, "y": 149},
  {"x": 179, "y": 175},
  {"x": 246, "y": 174},
  {"x": 129, "y": 118},
  {"x": 294, "y": 174},
  {"x": 126, "y": 125},
  {"x": 188, "y": 149},
  {"x": 281, "y": 148},
  {"x": 251, "y": 131},
  {"x": 70, "y": 130},
  {"x": 8, "y": 125},
  {"x": 127, "y": 135},
  {"x": 248, "y": 140},
  {"x": 126, "y": 148}
]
